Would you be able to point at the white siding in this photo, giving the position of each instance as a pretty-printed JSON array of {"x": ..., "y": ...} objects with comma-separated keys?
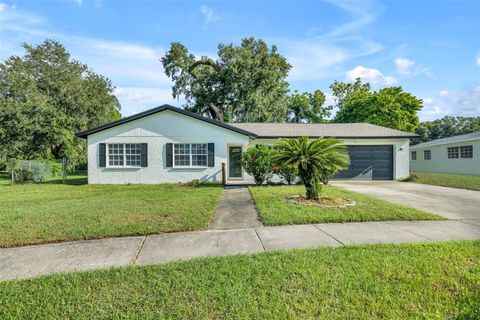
[
  {"x": 441, "y": 164},
  {"x": 157, "y": 130}
]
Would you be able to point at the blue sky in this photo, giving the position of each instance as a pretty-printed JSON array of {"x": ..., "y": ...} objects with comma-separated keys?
[{"x": 431, "y": 48}]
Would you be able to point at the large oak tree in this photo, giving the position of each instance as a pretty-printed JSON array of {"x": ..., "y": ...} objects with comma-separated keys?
[
  {"x": 246, "y": 83},
  {"x": 45, "y": 97}
]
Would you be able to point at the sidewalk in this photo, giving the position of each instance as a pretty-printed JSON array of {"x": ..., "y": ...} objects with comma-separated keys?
[{"x": 25, "y": 262}]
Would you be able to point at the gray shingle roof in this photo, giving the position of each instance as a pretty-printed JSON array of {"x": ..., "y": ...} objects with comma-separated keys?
[
  {"x": 460, "y": 138},
  {"x": 339, "y": 130}
]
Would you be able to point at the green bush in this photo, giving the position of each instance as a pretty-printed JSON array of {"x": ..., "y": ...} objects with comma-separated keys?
[
  {"x": 287, "y": 172},
  {"x": 257, "y": 162},
  {"x": 22, "y": 175}
]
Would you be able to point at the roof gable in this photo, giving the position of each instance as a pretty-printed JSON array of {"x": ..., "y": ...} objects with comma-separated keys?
[{"x": 86, "y": 133}]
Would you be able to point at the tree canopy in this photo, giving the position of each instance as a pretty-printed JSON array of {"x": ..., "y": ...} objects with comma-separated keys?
[
  {"x": 307, "y": 107},
  {"x": 445, "y": 127},
  {"x": 389, "y": 107},
  {"x": 45, "y": 97},
  {"x": 245, "y": 84}
]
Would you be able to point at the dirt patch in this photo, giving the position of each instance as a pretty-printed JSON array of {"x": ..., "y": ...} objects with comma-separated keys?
[{"x": 324, "y": 202}]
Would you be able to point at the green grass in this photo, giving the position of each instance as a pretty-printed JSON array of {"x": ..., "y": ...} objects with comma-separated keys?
[
  {"x": 448, "y": 180},
  {"x": 410, "y": 281},
  {"x": 274, "y": 209},
  {"x": 50, "y": 212}
]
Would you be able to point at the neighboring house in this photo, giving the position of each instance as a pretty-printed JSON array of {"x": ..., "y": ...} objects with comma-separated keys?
[
  {"x": 168, "y": 144},
  {"x": 458, "y": 154}
]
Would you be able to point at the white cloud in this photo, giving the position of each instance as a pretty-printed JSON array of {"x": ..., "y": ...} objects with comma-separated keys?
[
  {"x": 478, "y": 61},
  {"x": 427, "y": 101},
  {"x": 443, "y": 93},
  {"x": 459, "y": 103},
  {"x": 133, "y": 67},
  {"x": 404, "y": 65},
  {"x": 373, "y": 76},
  {"x": 137, "y": 99},
  {"x": 209, "y": 14}
]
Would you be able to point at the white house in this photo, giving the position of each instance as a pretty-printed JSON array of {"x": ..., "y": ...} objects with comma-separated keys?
[
  {"x": 168, "y": 144},
  {"x": 458, "y": 154}
]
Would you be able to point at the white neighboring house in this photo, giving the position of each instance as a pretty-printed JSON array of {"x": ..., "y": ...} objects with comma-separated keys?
[
  {"x": 458, "y": 154},
  {"x": 168, "y": 144}
]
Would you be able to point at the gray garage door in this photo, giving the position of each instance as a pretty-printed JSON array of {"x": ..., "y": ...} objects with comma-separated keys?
[{"x": 369, "y": 162}]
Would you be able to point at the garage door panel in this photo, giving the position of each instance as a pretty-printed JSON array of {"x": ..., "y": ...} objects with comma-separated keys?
[{"x": 369, "y": 162}]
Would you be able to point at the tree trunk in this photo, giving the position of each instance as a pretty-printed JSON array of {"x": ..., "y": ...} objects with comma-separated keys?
[{"x": 312, "y": 192}]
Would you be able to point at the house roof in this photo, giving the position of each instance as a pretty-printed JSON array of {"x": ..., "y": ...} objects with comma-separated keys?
[
  {"x": 313, "y": 130},
  {"x": 460, "y": 138},
  {"x": 86, "y": 133},
  {"x": 272, "y": 130}
]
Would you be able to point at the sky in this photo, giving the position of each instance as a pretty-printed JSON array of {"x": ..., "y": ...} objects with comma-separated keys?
[{"x": 430, "y": 48}]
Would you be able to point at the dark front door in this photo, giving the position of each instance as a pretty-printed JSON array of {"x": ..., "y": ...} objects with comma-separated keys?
[
  {"x": 234, "y": 164},
  {"x": 369, "y": 162}
]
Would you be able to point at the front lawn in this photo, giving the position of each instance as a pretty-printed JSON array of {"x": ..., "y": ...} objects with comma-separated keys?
[
  {"x": 448, "y": 180},
  {"x": 50, "y": 212},
  {"x": 274, "y": 209},
  {"x": 409, "y": 281}
]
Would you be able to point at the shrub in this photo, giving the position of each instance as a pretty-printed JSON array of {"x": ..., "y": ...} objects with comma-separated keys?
[
  {"x": 327, "y": 174},
  {"x": 22, "y": 175},
  {"x": 257, "y": 162},
  {"x": 312, "y": 158},
  {"x": 287, "y": 172}
]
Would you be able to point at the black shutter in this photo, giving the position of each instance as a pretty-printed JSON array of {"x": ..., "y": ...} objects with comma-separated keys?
[
  {"x": 169, "y": 155},
  {"x": 102, "y": 155},
  {"x": 211, "y": 154},
  {"x": 144, "y": 155}
]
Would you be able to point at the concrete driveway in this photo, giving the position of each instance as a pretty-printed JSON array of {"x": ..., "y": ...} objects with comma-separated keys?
[{"x": 451, "y": 203}]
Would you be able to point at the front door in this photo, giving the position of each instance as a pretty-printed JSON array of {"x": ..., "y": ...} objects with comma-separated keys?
[{"x": 234, "y": 164}]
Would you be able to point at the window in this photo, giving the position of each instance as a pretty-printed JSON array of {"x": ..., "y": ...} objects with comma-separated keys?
[
  {"x": 427, "y": 154},
  {"x": 190, "y": 155},
  {"x": 414, "y": 155},
  {"x": 466, "y": 152},
  {"x": 124, "y": 155},
  {"x": 452, "y": 153}
]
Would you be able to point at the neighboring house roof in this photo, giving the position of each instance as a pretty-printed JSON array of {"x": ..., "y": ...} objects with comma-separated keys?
[
  {"x": 273, "y": 130},
  {"x": 313, "y": 130},
  {"x": 86, "y": 133},
  {"x": 460, "y": 138}
]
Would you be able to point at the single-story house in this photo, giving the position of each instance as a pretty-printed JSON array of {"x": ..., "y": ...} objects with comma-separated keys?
[
  {"x": 169, "y": 144},
  {"x": 458, "y": 154}
]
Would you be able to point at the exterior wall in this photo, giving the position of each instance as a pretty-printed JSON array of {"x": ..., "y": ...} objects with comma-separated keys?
[
  {"x": 157, "y": 130},
  {"x": 400, "y": 152},
  {"x": 441, "y": 164}
]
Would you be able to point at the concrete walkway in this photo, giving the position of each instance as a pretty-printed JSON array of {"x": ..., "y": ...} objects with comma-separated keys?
[
  {"x": 25, "y": 262},
  {"x": 236, "y": 210}
]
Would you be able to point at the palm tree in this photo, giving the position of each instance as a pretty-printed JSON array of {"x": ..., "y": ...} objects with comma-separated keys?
[{"x": 313, "y": 157}]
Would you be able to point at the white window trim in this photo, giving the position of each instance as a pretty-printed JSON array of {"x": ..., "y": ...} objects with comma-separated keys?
[
  {"x": 190, "y": 155},
  {"x": 411, "y": 155},
  {"x": 459, "y": 153},
  {"x": 107, "y": 152},
  {"x": 424, "y": 158}
]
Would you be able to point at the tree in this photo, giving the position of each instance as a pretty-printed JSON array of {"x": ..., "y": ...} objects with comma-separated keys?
[
  {"x": 445, "y": 127},
  {"x": 45, "y": 97},
  {"x": 257, "y": 162},
  {"x": 343, "y": 90},
  {"x": 307, "y": 107},
  {"x": 388, "y": 107},
  {"x": 245, "y": 84},
  {"x": 312, "y": 158}
]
